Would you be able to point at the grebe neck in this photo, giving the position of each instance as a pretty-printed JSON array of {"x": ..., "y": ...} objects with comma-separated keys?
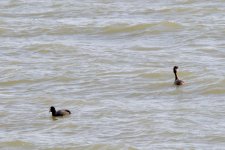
[{"x": 175, "y": 73}]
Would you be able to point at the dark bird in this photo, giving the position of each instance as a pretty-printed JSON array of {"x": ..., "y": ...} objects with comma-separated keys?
[
  {"x": 177, "y": 80},
  {"x": 62, "y": 112}
]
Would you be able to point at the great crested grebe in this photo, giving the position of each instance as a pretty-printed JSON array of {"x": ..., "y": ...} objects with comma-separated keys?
[{"x": 177, "y": 80}]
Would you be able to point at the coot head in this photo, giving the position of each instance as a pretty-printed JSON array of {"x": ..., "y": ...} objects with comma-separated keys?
[{"x": 52, "y": 109}]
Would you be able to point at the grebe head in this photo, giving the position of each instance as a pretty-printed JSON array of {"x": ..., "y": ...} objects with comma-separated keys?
[{"x": 175, "y": 69}]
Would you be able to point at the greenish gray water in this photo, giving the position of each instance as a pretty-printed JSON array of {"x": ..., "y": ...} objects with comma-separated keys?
[{"x": 110, "y": 63}]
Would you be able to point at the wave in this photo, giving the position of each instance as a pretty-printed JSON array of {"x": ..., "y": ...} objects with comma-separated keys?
[
  {"x": 17, "y": 144},
  {"x": 50, "y": 47},
  {"x": 116, "y": 28},
  {"x": 108, "y": 29},
  {"x": 143, "y": 27}
]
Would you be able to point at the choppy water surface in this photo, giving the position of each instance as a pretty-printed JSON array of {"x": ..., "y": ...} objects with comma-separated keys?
[{"x": 110, "y": 63}]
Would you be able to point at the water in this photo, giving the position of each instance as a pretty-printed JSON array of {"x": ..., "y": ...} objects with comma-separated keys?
[{"x": 110, "y": 63}]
